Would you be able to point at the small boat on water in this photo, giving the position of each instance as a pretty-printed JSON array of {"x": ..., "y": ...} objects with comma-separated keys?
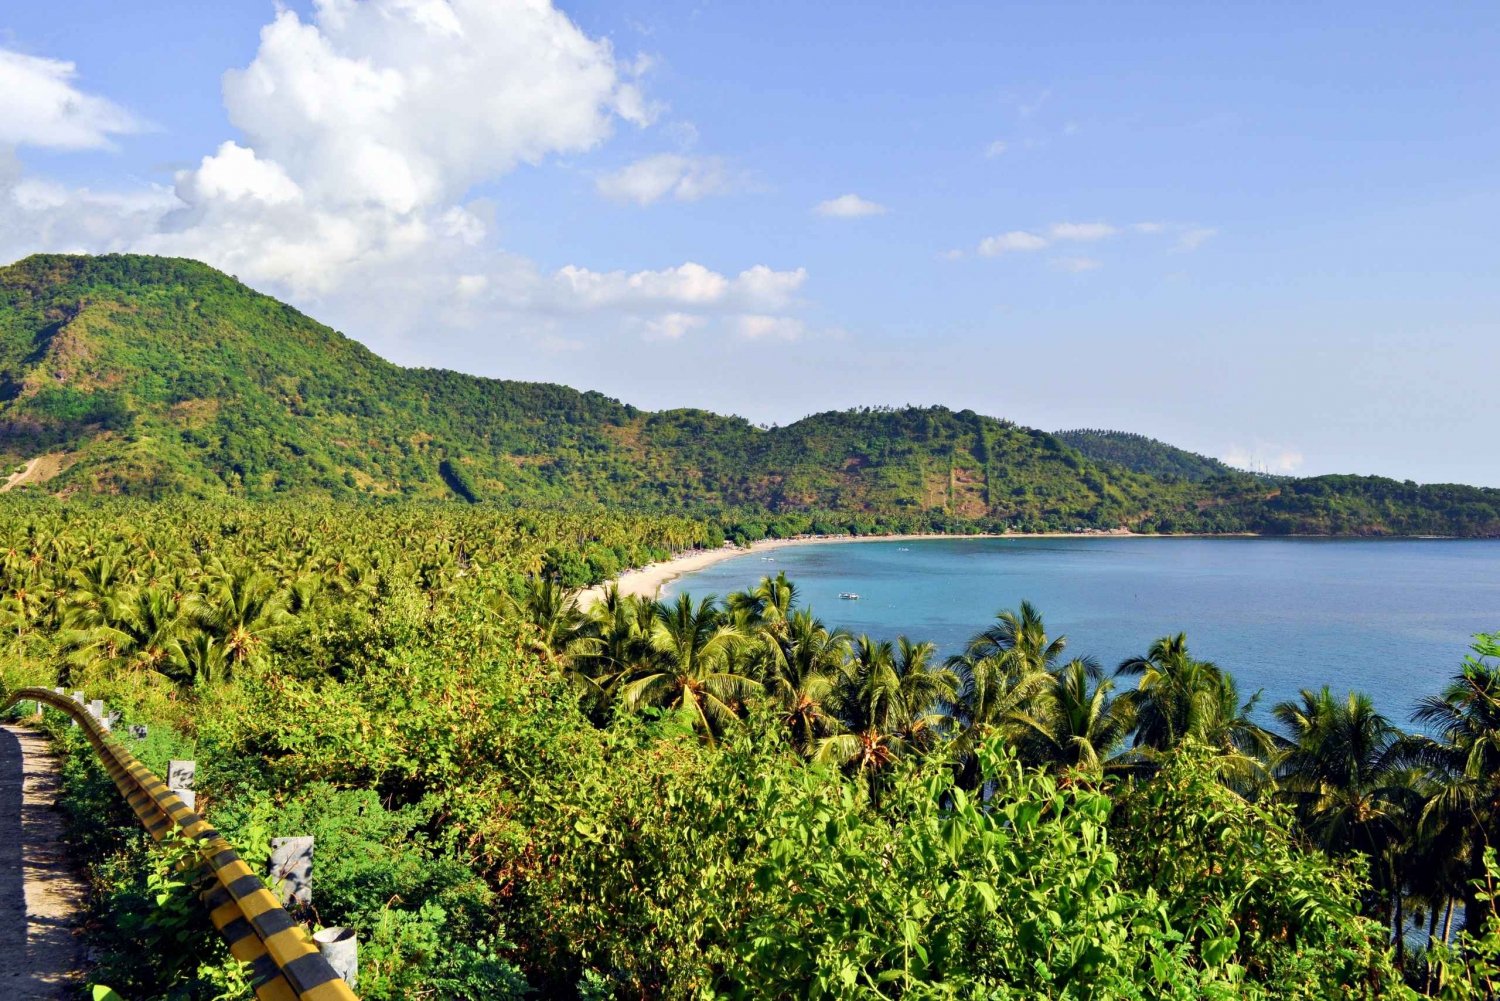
[
  {"x": 903, "y": 549},
  {"x": 848, "y": 596}
]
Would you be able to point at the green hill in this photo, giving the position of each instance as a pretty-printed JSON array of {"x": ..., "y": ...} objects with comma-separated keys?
[
  {"x": 156, "y": 376},
  {"x": 1145, "y": 455}
]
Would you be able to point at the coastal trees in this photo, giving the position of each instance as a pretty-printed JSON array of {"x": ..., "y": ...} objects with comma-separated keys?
[
  {"x": 1463, "y": 758},
  {"x": 887, "y": 703},
  {"x": 1073, "y": 725},
  {"x": 1179, "y": 698},
  {"x": 691, "y": 669}
]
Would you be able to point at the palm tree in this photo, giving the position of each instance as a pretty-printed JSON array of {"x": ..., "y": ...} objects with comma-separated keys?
[
  {"x": 244, "y": 614},
  {"x": 549, "y": 617},
  {"x": 1179, "y": 698},
  {"x": 889, "y": 702},
  {"x": 767, "y": 606},
  {"x": 1072, "y": 724},
  {"x": 1463, "y": 759},
  {"x": 612, "y": 643},
  {"x": 801, "y": 674},
  {"x": 136, "y": 629},
  {"x": 1342, "y": 775},
  {"x": 1019, "y": 637},
  {"x": 691, "y": 648}
]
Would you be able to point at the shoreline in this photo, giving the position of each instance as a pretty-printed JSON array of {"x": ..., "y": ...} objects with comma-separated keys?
[{"x": 648, "y": 581}]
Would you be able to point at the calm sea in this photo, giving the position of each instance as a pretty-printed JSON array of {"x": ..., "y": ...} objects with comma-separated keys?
[{"x": 1390, "y": 617}]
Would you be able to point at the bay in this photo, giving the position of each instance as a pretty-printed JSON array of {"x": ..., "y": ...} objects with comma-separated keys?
[{"x": 1392, "y": 618}]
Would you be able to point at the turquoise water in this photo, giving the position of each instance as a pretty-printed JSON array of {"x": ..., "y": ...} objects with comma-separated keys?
[{"x": 1389, "y": 617}]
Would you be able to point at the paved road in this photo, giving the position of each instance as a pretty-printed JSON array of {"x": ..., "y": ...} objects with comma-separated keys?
[{"x": 41, "y": 896}]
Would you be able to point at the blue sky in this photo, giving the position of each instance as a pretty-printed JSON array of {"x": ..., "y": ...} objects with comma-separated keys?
[{"x": 1263, "y": 232}]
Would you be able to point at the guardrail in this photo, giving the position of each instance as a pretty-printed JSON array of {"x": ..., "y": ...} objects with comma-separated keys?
[{"x": 285, "y": 963}]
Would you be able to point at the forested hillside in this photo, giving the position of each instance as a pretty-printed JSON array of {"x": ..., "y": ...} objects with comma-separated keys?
[
  {"x": 1145, "y": 455},
  {"x": 152, "y": 377}
]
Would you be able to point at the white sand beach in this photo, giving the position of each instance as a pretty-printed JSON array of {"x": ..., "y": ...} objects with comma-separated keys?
[{"x": 648, "y": 581}]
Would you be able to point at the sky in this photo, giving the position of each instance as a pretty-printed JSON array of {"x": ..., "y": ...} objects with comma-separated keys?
[{"x": 1263, "y": 232}]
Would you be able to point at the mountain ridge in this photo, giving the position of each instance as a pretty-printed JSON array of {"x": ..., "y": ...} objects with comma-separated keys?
[{"x": 159, "y": 376}]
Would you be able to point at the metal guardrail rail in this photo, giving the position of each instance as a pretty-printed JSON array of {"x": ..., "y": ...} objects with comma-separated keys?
[{"x": 285, "y": 963}]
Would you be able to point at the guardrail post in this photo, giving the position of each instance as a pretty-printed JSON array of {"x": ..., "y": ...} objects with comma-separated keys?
[
  {"x": 291, "y": 870},
  {"x": 340, "y": 947},
  {"x": 182, "y": 779},
  {"x": 96, "y": 710},
  {"x": 77, "y": 697}
]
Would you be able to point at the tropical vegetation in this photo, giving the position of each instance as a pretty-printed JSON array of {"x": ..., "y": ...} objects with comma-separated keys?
[{"x": 520, "y": 791}]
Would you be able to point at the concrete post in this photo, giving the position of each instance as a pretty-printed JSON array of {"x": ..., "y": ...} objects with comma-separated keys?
[
  {"x": 96, "y": 709},
  {"x": 291, "y": 870},
  {"x": 181, "y": 775},
  {"x": 182, "y": 779},
  {"x": 341, "y": 948}
]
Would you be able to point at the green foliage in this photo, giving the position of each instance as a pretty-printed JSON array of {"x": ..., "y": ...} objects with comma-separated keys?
[
  {"x": 700, "y": 799},
  {"x": 1144, "y": 455}
]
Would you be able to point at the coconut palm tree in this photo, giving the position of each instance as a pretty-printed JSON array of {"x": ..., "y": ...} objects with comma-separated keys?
[
  {"x": 1019, "y": 637},
  {"x": 1072, "y": 724},
  {"x": 1179, "y": 698},
  {"x": 1342, "y": 774},
  {"x": 889, "y": 701},
  {"x": 136, "y": 629},
  {"x": 245, "y": 612},
  {"x": 800, "y": 674},
  {"x": 1462, "y": 756},
  {"x": 549, "y": 618},
  {"x": 691, "y": 650}
]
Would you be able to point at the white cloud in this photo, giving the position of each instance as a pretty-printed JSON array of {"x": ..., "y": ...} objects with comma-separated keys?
[
  {"x": 952, "y": 255},
  {"x": 996, "y": 148},
  {"x": 363, "y": 130},
  {"x": 1264, "y": 457},
  {"x": 1150, "y": 228},
  {"x": 686, "y": 285},
  {"x": 1076, "y": 265},
  {"x": 1081, "y": 231},
  {"x": 781, "y": 328},
  {"x": 1015, "y": 240},
  {"x": 671, "y": 326},
  {"x": 685, "y": 178},
  {"x": 43, "y": 107},
  {"x": 849, "y": 206},
  {"x": 1193, "y": 238}
]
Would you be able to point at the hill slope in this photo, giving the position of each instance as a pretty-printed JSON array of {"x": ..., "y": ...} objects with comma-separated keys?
[
  {"x": 142, "y": 375},
  {"x": 1145, "y": 455}
]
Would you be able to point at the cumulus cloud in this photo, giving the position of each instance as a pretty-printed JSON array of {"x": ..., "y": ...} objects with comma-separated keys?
[
  {"x": 671, "y": 326},
  {"x": 780, "y": 328},
  {"x": 44, "y": 107},
  {"x": 364, "y": 128},
  {"x": 686, "y": 285},
  {"x": 1264, "y": 457},
  {"x": 685, "y": 178},
  {"x": 1015, "y": 240},
  {"x": 1081, "y": 231},
  {"x": 996, "y": 148},
  {"x": 1076, "y": 265},
  {"x": 850, "y": 206}
]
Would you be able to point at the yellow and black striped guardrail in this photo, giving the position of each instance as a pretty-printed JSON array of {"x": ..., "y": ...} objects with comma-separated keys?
[{"x": 285, "y": 964}]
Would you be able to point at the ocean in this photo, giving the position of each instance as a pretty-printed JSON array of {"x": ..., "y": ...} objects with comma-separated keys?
[{"x": 1392, "y": 618}]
